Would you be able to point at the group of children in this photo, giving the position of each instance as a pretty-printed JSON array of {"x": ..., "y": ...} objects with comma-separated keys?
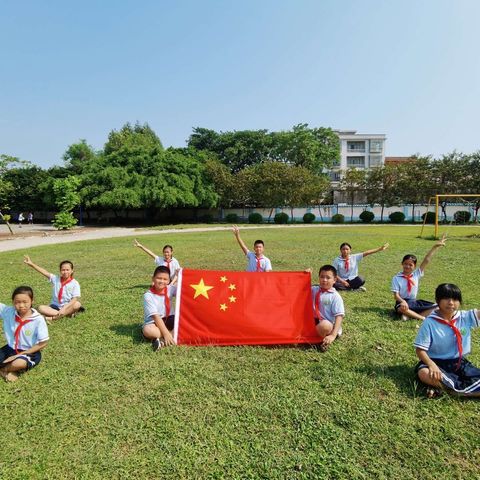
[{"x": 442, "y": 341}]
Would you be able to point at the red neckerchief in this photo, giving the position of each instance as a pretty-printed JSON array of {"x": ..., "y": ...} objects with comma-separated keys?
[
  {"x": 318, "y": 303},
  {"x": 168, "y": 262},
  {"x": 163, "y": 293},
  {"x": 60, "y": 292},
  {"x": 259, "y": 266},
  {"x": 21, "y": 323},
  {"x": 456, "y": 331},
  {"x": 347, "y": 264},
  {"x": 410, "y": 281}
]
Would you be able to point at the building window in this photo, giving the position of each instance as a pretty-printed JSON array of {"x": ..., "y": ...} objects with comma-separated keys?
[
  {"x": 358, "y": 162},
  {"x": 375, "y": 160},
  {"x": 335, "y": 176},
  {"x": 355, "y": 146},
  {"x": 376, "y": 146}
]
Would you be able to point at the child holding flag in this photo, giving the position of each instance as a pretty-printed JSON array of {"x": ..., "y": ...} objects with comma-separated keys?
[
  {"x": 26, "y": 333},
  {"x": 405, "y": 286},
  {"x": 442, "y": 342},
  {"x": 328, "y": 308},
  {"x": 257, "y": 262},
  {"x": 168, "y": 260},
  {"x": 65, "y": 300},
  {"x": 158, "y": 312}
]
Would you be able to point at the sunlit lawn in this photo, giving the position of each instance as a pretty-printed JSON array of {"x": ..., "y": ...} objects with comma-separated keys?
[{"x": 103, "y": 405}]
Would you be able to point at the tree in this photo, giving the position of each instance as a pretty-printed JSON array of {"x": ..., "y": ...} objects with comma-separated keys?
[
  {"x": 353, "y": 182},
  {"x": 78, "y": 155},
  {"x": 66, "y": 199}
]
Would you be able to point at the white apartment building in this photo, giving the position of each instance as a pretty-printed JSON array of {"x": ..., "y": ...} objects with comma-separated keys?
[{"x": 357, "y": 150}]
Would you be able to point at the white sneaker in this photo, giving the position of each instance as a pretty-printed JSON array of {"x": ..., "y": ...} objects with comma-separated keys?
[
  {"x": 362, "y": 289},
  {"x": 404, "y": 318}
]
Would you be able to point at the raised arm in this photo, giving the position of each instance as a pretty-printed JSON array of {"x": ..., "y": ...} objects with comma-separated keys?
[
  {"x": 28, "y": 261},
  {"x": 136, "y": 243},
  {"x": 236, "y": 232},
  {"x": 429, "y": 255},
  {"x": 376, "y": 250}
]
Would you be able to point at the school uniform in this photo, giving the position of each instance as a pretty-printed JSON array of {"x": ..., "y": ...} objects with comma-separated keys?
[
  {"x": 155, "y": 303},
  {"x": 327, "y": 305},
  {"x": 347, "y": 269},
  {"x": 447, "y": 346},
  {"x": 22, "y": 334},
  {"x": 255, "y": 264},
  {"x": 173, "y": 265},
  {"x": 62, "y": 293},
  {"x": 407, "y": 287}
]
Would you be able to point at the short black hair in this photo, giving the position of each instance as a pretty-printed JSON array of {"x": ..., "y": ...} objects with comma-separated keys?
[
  {"x": 345, "y": 244},
  {"x": 448, "y": 290},
  {"x": 66, "y": 261},
  {"x": 167, "y": 246},
  {"x": 328, "y": 268},
  {"x": 23, "y": 289},
  {"x": 258, "y": 242},
  {"x": 410, "y": 257},
  {"x": 161, "y": 269}
]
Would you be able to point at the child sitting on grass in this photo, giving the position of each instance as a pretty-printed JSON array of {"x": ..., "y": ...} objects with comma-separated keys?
[
  {"x": 158, "y": 313},
  {"x": 405, "y": 286},
  {"x": 442, "y": 343},
  {"x": 347, "y": 267},
  {"x": 26, "y": 333},
  {"x": 65, "y": 300},
  {"x": 167, "y": 260},
  {"x": 328, "y": 308},
  {"x": 257, "y": 262}
]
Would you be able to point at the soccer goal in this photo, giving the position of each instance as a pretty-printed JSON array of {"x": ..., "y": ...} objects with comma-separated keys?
[{"x": 438, "y": 199}]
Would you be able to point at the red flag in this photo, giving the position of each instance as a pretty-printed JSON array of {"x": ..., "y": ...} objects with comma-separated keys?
[{"x": 244, "y": 308}]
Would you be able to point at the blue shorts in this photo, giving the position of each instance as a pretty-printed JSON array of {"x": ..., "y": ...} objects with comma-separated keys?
[
  {"x": 32, "y": 359},
  {"x": 464, "y": 380},
  {"x": 55, "y": 307},
  {"x": 417, "y": 306}
]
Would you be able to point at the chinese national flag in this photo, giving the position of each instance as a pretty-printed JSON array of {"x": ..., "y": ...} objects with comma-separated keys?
[{"x": 244, "y": 308}]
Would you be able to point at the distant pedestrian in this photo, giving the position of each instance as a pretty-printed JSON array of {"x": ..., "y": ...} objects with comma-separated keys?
[
  {"x": 30, "y": 218},
  {"x": 21, "y": 218}
]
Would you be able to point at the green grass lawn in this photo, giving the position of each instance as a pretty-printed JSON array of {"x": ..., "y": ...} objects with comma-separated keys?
[{"x": 103, "y": 405}]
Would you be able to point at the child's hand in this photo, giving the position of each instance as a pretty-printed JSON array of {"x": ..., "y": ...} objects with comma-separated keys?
[
  {"x": 434, "y": 372},
  {"x": 308, "y": 270},
  {"x": 235, "y": 230},
  {"x": 384, "y": 247},
  {"x": 169, "y": 341},
  {"x": 328, "y": 340},
  {"x": 403, "y": 307},
  {"x": 441, "y": 242},
  {"x": 135, "y": 243},
  {"x": 10, "y": 359},
  {"x": 26, "y": 260}
]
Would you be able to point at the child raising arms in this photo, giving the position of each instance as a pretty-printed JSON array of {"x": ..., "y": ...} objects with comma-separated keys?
[
  {"x": 347, "y": 267},
  {"x": 168, "y": 260},
  {"x": 65, "y": 292},
  {"x": 442, "y": 342},
  {"x": 405, "y": 286},
  {"x": 26, "y": 333},
  {"x": 328, "y": 308},
  {"x": 257, "y": 262},
  {"x": 158, "y": 317}
]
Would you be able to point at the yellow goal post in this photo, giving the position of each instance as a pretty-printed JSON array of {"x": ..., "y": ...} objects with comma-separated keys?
[{"x": 437, "y": 202}]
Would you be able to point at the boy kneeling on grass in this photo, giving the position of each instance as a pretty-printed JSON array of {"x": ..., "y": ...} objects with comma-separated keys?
[
  {"x": 328, "y": 308},
  {"x": 158, "y": 312}
]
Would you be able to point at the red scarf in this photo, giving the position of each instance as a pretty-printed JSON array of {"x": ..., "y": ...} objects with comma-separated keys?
[
  {"x": 163, "y": 293},
  {"x": 410, "y": 281},
  {"x": 456, "y": 331},
  {"x": 60, "y": 292},
  {"x": 21, "y": 323},
  {"x": 347, "y": 264},
  {"x": 259, "y": 267},
  {"x": 168, "y": 262},
  {"x": 318, "y": 302}
]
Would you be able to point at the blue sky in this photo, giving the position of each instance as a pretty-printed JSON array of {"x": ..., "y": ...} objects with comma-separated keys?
[{"x": 70, "y": 70}]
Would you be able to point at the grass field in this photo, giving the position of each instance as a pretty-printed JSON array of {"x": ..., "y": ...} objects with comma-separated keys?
[{"x": 103, "y": 405}]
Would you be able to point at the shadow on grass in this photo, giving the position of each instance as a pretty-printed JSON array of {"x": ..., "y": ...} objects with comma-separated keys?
[
  {"x": 133, "y": 331},
  {"x": 382, "y": 311},
  {"x": 403, "y": 376}
]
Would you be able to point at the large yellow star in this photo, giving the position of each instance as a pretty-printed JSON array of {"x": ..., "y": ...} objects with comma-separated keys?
[{"x": 201, "y": 289}]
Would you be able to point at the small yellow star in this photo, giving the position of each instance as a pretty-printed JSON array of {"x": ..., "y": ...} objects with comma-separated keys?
[
  {"x": 223, "y": 306},
  {"x": 232, "y": 299},
  {"x": 201, "y": 289},
  {"x": 232, "y": 286},
  {"x": 223, "y": 279}
]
